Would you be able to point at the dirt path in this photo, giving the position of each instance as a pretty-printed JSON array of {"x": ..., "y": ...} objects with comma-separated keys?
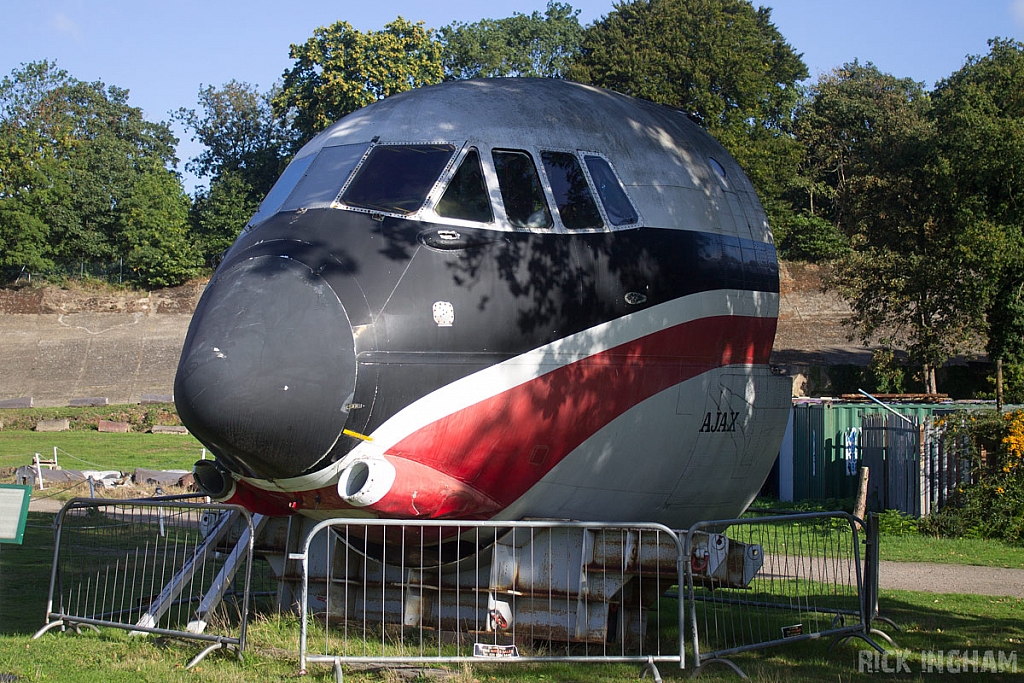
[
  {"x": 51, "y": 505},
  {"x": 951, "y": 578}
]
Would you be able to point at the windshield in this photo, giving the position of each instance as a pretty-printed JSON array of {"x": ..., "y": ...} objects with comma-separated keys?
[{"x": 397, "y": 178}]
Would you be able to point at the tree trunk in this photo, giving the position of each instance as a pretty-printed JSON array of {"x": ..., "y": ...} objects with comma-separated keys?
[{"x": 929, "y": 379}]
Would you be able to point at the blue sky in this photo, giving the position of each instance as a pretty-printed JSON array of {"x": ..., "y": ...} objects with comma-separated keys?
[{"x": 163, "y": 52}]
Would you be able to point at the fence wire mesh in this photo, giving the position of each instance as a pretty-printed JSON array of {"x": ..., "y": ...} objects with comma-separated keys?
[
  {"x": 155, "y": 566},
  {"x": 809, "y": 584},
  {"x": 388, "y": 591}
]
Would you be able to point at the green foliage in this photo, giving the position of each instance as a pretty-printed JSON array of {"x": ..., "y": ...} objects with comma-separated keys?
[
  {"x": 860, "y": 127},
  {"x": 154, "y": 230},
  {"x": 533, "y": 45},
  {"x": 245, "y": 149},
  {"x": 24, "y": 237},
  {"x": 219, "y": 214},
  {"x": 887, "y": 375},
  {"x": 73, "y": 154},
  {"x": 1006, "y": 318},
  {"x": 340, "y": 69},
  {"x": 893, "y": 523},
  {"x": 993, "y": 506},
  {"x": 810, "y": 238},
  {"x": 33, "y": 174},
  {"x": 979, "y": 110},
  {"x": 240, "y": 136},
  {"x": 920, "y": 272},
  {"x": 1013, "y": 383},
  {"x": 987, "y": 510},
  {"x": 723, "y": 62},
  {"x": 928, "y": 189}
]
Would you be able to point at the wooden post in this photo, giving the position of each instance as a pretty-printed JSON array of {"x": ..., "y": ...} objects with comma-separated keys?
[
  {"x": 922, "y": 470},
  {"x": 861, "y": 505},
  {"x": 999, "y": 385}
]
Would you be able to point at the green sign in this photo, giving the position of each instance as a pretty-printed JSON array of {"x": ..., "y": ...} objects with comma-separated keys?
[{"x": 13, "y": 511}]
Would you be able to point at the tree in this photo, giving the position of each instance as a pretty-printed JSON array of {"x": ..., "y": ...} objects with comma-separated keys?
[
  {"x": 26, "y": 197},
  {"x": 979, "y": 111},
  {"x": 112, "y": 145},
  {"x": 70, "y": 152},
  {"x": 33, "y": 170},
  {"x": 245, "y": 149},
  {"x": 721, "y": 61},
  {"x": 220, "y": 213},
  {"x": 918, "y": 276},
  {"x": 153, "y": 235},
  {"x": 340, "y": 69},
  {"x": 240, "y": 136},
  {"x": 847, "y": 122},
  {"x": 533, "y": 45}
]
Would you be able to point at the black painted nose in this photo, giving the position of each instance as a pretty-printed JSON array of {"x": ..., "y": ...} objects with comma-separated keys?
[{"x": 267, "y": 368}]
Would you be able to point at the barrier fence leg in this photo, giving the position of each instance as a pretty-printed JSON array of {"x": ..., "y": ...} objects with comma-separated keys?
[
  {"x": 653, "y": 669},
  {"x": 871, "y": 581}
]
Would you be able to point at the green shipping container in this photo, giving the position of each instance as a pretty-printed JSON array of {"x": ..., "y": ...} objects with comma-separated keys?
[{"x": 826, "y": 443}]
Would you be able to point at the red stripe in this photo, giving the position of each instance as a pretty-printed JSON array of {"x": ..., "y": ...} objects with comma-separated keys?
[{"x": 504, "y": 445}]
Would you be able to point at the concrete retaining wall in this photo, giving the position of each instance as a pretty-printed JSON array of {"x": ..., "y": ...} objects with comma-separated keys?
[{"x": 54, "y": 358}]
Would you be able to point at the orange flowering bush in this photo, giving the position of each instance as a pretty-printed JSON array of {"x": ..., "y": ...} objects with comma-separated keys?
[{"x": 1014, "y": 441}]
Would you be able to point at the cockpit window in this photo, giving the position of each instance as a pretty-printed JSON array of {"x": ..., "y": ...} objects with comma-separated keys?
[
  {"x": 397, "y": 178},
  {"x": 521, "y": 191},
  {"x": 572, "y": 193},
  {"x": 614, "y": 199},
  {"x": 325, "y": 177},
  {"x": 466, "y": 196}
]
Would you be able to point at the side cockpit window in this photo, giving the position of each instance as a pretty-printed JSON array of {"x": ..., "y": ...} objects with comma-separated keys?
[
  {"x": 397, "y": 178},
  {"x": 312, "y": 181},
  {"x": 613, "y": 197},
  {"x": 466, "y": 197},
  {"x": 573, "y": 198},
  {"x": 521, "y": 191},
  {"x": 325, "y": 177}
]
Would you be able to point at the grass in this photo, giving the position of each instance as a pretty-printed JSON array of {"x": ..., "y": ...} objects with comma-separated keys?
[
  {"x": 970, "y": 551},
  {"x": 85, "y": 418},
  {"x": 83, "y": 450},
  {"x": 95, "y": 450}
]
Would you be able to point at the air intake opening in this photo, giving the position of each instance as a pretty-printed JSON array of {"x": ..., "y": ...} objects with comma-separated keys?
[
  {"x": 355, "y": 478},
  {"x": 211, "y": 479}
]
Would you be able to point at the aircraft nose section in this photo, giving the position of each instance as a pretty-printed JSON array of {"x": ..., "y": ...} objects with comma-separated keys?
[{"x": 267, "y": 368}]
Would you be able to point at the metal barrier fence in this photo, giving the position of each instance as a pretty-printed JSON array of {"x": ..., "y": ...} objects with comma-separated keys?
[
  {"x": 161, "y": 566},
  {"x": 809, "y": 584},
  {"x": 447, "y": 592},
  {"x": 435, "y": 592}
]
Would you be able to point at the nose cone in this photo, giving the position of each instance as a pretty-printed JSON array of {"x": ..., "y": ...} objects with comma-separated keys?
[{"x": 267, "y": 368}]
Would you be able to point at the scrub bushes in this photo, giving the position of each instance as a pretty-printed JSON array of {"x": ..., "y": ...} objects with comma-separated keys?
[{"x": 993, "y": 506}]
